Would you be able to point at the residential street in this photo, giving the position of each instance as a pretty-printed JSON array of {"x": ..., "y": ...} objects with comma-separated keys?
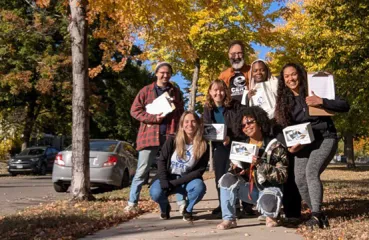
[{"x": 19, "y": 192}]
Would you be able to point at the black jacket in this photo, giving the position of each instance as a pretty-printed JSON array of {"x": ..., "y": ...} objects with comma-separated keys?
[
  {"x": 164, "y": 166},
  {"x": 232, "y": 118},
  {"x": 323, "y": 126}
]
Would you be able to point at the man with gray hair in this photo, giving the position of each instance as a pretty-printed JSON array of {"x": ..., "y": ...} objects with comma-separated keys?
[{"x": 236, "y": 77}]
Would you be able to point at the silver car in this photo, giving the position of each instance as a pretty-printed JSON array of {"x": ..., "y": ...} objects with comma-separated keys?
[{"x": 112, "y": 163}]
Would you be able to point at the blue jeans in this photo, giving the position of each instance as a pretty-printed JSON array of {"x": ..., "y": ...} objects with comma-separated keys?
[
  {"x": 194, "y": 190},
  {"x": 145, "y": 159},
  {"x": 228, "y": 198}
]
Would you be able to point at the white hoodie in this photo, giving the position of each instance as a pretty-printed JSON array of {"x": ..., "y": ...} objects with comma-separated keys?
[{"x": 266, "y": 92}]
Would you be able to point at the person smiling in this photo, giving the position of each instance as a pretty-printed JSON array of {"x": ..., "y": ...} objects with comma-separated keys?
[
  {"x": 268, "y": 173},
  {"x": 182, "y": 162},
  {"x": 236, "y": 77},
  {"x": 154, "y": 128},
  {"x": 311, "y": 159},
  {"x": 220, "y": 108}
]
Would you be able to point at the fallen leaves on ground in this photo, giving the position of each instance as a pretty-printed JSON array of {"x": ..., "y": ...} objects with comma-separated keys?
[
  {"x": 68, "y": 220},
  {"x": 346, "y": 202}
]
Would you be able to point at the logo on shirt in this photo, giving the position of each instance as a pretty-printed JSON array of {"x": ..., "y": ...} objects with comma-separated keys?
[
  {"x": 239, "y": 81},
  {"x": 186, "y": 158}
]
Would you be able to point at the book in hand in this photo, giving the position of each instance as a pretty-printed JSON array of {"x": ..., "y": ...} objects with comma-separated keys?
[
  {"x": 161, "y": 105},
  {"x": 300, "y": 133},
  {"x": 215, "y": 132},
  {"x": 242, "y": 152}
]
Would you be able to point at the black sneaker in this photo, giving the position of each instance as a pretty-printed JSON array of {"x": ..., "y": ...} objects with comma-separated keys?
[
  {"x": 216, "y": 210},
  {"x": 187, "y": 216},
  {"x": 248, "y": 211},
  {"x": 324, "y": 221},
  {"x": 166, "y": 215},
  {"x": 317, "y": 220}
]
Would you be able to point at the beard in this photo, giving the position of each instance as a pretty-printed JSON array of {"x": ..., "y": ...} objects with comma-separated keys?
[{"x": 237, "y": 63}]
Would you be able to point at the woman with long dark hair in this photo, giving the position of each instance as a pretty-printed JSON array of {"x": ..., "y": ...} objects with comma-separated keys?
[
  {"x": 311, "y": 159},
  {"x": 182, "y": 162}
]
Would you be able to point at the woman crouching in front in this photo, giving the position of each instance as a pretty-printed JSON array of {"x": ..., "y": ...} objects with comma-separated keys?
[
  {"x": 268, "y": 172},
  {"x": 182, "y": 162}
]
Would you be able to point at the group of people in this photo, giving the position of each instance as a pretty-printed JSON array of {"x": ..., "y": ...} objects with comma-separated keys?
[{"x": 278, "y": 176}]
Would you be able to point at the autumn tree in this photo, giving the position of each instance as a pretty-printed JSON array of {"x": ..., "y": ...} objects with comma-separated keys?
[
  {"x": 34, "y": 66},
  {"x": 197, "y": 33},
  {"x": 115, "y": 91},
  {"x": 332, "y": 36}
]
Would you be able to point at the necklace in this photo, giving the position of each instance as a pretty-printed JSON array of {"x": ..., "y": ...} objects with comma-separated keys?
[{"x": 257, "y": 143}]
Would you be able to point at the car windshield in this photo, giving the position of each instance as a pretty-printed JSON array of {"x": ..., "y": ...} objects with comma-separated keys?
[
  {"x": 32, "y": 152},
  {"x": 103, "y": 146}
]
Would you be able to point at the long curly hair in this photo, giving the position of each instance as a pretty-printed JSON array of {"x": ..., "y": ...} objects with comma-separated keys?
[
  {"x": 261, "y": 119},
  {"x": 227, "y": 99},
  {"x": 285, "y": 98}
]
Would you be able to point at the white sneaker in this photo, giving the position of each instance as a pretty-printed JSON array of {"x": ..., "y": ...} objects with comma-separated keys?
[
  {"x": 129, "y": 209},
  {"x": 181, "y": 209}
]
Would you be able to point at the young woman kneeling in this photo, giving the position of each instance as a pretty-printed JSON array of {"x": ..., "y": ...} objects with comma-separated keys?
[
  {"x": 182, "y": 162},
  {"x": 259, "y": 183}
]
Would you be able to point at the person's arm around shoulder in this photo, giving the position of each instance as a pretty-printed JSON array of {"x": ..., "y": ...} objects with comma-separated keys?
[
  {"x": 275, "y": 174},
  {"x": 138, "y": 109},
  {"x": 165, "y": 156},
  {"x": 196, "y": 172}
]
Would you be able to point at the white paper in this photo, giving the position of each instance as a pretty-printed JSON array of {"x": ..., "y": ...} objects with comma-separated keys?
[
  {"x": 244, "y": 96},
  {"x": 243, "y": 151},
  {"x": 300, "y": 133},
  {"x": 260, "y": 98},
  {"x": 321, "y": 86},
  {"x": 215, "y": 132},
  {"x": 160, "y": 105}
]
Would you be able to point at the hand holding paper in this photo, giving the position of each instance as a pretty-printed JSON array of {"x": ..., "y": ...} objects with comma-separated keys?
[
  {"x": 313, "y": 100},
  {"x": 162, "y": 105},
  {"x": 296, "y": 148}
]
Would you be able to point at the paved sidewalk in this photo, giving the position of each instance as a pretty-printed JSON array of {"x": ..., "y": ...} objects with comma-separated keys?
[{"x": 150, "y": 226}]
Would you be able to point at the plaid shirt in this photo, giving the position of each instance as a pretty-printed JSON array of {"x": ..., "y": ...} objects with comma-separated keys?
[{"x": 148, "y": 134}]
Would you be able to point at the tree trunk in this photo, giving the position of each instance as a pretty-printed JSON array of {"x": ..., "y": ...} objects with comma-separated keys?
[
  {"x": 80, "y": 188},
  {"x": 349, "y": 149},
  {"x": 195, "y": 78},
  {"x": 30, "y": 120},
  {"x": 28, "y": 125}
]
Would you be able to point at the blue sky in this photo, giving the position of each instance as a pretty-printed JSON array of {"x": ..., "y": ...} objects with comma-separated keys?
[{"x": 261, "y": 50}]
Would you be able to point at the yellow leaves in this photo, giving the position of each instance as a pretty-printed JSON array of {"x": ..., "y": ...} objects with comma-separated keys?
[
  {"x": 43, "y": 3},
  {"x": 17, "y": 82},
  {"x": 93, "y": 72}
]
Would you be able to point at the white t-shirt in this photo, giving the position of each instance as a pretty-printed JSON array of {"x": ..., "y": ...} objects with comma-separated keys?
[{"x": 182, "y": 166}]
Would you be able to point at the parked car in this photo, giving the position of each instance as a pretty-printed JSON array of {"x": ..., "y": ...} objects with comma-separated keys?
[
  {"x": 112, "y": 163},
  {"x": 34, "y": 159}
]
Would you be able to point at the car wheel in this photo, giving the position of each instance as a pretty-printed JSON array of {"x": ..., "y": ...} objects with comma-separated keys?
[
  {"x": 60, "y": 187},
  {"x": 125, "y": 179},
  {"x": 42, "y": 170}
]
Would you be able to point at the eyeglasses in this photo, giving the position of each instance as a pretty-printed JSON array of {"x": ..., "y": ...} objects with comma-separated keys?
[
  {"x": 243, "y": 125},
  {"x": 236, "y": 54}
]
